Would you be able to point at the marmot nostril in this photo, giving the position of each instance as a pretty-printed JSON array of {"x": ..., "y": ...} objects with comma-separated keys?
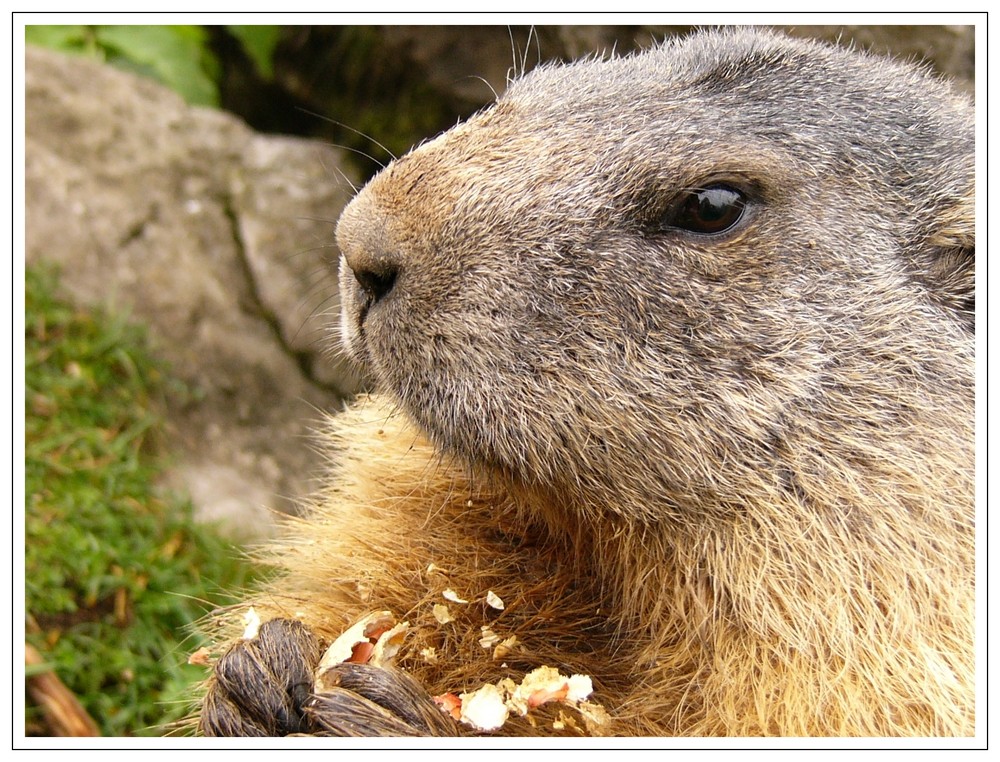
[{"x": 377, "y": 282}]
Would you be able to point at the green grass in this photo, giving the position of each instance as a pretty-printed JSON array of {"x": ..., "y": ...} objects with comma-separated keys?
[{"x": 115, "y": 571}]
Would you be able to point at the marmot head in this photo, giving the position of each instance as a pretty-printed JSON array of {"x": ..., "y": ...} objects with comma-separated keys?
[{"x": 643, "y": 281}]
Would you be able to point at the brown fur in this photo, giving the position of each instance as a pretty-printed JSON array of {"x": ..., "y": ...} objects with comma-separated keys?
[{"x": 731, "y": 476}]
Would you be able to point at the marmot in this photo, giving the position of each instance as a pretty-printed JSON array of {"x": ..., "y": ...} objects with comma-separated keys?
[{"x": 675, "y": 358}]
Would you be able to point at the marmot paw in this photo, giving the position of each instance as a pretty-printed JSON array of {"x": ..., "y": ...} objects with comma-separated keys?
[
  {"x": 264, "y": 686},
  {"x": 261, "y": 684}
]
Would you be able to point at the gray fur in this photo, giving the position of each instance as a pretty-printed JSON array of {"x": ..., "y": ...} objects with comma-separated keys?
[
  {"x": 538, "y": 325},
  {"x": 731, "y": 475}
]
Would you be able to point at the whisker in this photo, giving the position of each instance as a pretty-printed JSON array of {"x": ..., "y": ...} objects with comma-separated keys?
[{"x": 359, "y": 133}]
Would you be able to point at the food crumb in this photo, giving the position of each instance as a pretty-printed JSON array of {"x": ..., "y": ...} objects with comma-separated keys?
[
  {"x": 489, "y": 707},
  {"x": 450, "y": 704},
  {"x": 429, "y": 654},
  {"x": 345, "y": 648},
  {"x": 442, "y": 614},
  {"x": 251, "y": 624},
  {"x": 489, "y": 638},
  {"x": 484, "y": 709},
  {"x": 504, "y": 647},
  {"x": 451, "y": 595}
]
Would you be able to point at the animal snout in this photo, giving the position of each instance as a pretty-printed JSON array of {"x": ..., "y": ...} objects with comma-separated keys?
[{"x": 369, "y": 250}]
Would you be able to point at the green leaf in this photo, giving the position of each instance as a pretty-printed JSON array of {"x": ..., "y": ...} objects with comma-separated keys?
[
  {"x": 178, "y": 56},
  {"x": 258, "y": 42},
  {"x": 68, "y": 39}
]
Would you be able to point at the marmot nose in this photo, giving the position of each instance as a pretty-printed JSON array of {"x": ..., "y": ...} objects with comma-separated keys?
[{"x": 369, "y": 248}]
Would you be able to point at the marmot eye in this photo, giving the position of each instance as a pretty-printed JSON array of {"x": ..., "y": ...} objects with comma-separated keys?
[{"x": 710, "y": 210}]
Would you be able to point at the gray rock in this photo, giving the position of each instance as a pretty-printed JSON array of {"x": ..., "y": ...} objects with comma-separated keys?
[{"x": 217, "y": 238}]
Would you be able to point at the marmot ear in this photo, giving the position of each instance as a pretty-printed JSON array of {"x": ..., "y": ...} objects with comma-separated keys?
[{"x": 949, "y": 258}]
